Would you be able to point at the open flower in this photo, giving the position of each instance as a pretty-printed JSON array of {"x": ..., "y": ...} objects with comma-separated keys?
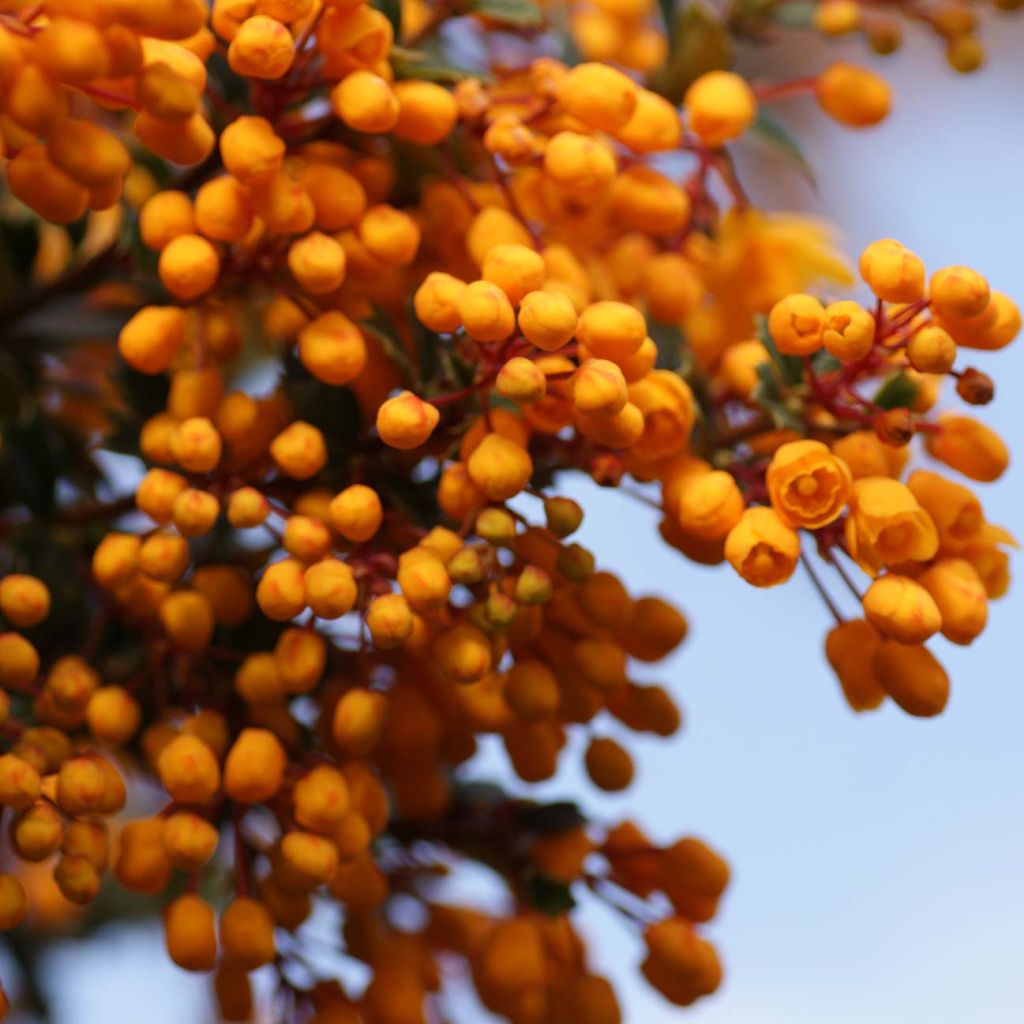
[
  {"x": 808, "y": 485},
  {"x": 886, "y": 525}
]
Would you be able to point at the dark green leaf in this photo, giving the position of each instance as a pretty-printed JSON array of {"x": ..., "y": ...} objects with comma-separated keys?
[
  {"x": 791, "y": 368},
  {"x": 392, "y": 10},
  {"x": 548, "y": 818},
  {"x": 769, "y": 395},
  {"x": 793, "y": 15},
  {"x": 551, "y": 897},
  {"x": 382, "y": 327},
  {"x": 521, "y": 13},
  {"x": 779, "y": 139},
  {"x": 897, "y": 392},
  {"x": 669, "y": 339},
  {"x": 699, "y": 43}
]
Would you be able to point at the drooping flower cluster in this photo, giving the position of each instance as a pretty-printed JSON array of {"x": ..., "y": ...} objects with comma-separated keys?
[{"x": 353, "y": 313}]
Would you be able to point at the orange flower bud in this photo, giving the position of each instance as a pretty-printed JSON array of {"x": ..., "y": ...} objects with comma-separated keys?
[
  {"x": 301, "y": 659},
  {"x": 359, "y": 719},
  {"x": 321, "y": 797},
  {"x": 19, "y": 782},
  {"x": 797, "y": 325},
  {"x": 142, "y": 863},
  {"x": 711, "y": 505},
  {"x": 251, "y": 150},
  {"x": 969, "y": 447},
  {"x": 115, "y": 559},
  {"x": 365, "y": 102},
  {"x": 853, "y": 96},
  {"x": 247, "y": 508},
  {"x": 912, "y": 676},
  {"x": 406, "y": 421},
  {"x": 310, "y": 860},
  {"x": 13, "y": 906},
  {"x": 892, "y": 271},
  {"x": 486, "y": 312},
  {"x": 598, "y": 388},
  {"x": 609, "y": 766},
  {"x": 437, "y": 302},
  {"x": 19, "y": 660},
  {"x": 516, "y": 269},
  {"x": 427, "y": 113},
  {"x": 299, "y": 451},
  {"x": 599, "y": 95},
  {"x": 850, "y": 648},
  {"x": 719, "y": 106},
  {"x": 463, "y": 654},
  {"x": 580, "y": 164},
  {"x": 521, "y": 380},
  {"x": 958, "y": 292},
  {"x": 547, "y": 320},
  {"x": 500, "y": 467},
  {"x": 152, "y": 338},
  {"x": 247, "y": 933},
  {"x": 187, "y": 619},
  {"x": 653, "y": 127},
  {"x": 261, "y": 48},
  {"x": 281, "y": 592},
  {"x": 36, "y": 831},
  {"x": 254, "y": 769},
  {"x": 959, "y": 593},
  {"x": 762, "y": 547},
  {"x": 900, "y": 608},
  {"x": 24, "y": 600},
  {"x": 808, "y": 485},
  {"x": 330, "y": 589},
  {"x": 189, "y": 266},
  {"x": 188, "y": 770},
  {"x": 189, "y": 933},
  {"x": 190, "y": 841},
  {"x": 306, "y": 538},
  {"x": 849, "y": 331},
  {"x": 953, "y": 508},
  {"x": 356, "y": 513}
]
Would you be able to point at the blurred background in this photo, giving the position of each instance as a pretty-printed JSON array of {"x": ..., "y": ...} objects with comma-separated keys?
[{"x": 878, "y": 860}]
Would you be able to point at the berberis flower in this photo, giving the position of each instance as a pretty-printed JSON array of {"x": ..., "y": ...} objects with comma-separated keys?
[{"x": 351, "y": 312}]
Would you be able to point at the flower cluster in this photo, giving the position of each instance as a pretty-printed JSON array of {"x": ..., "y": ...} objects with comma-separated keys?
[{"x": 352, "y": 313}]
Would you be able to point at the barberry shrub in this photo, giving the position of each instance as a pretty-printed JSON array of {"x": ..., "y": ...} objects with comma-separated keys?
[{"x": 308, "y": 309}]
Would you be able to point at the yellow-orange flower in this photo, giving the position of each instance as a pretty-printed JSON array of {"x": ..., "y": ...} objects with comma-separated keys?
[
  {"x": 762, "y": 547},
  {"x": 808, "y": 485},
  {"x": 886, "y": 525}
]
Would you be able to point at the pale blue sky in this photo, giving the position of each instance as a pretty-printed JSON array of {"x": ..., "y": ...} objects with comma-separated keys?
[{"x": 879, "y": 860}]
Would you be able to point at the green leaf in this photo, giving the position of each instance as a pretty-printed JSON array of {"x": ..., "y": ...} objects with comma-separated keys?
[
  {"x": 779, "y": 139},
  {"x": 699, "y": 43},
  {"x": 443, "y": 74},
  {"x": 793, "y": 15},
  {"x": 521, "y": 13},
  {"x": 769, "y": 395},
  {"x": 382, "y": 327},
  {"x": 392, "y": 10},
  {"x": 669, "y": 339},
  {"x": 551, "y": 818},
  {"x": 791, "y": 368},
  {"x": 550, "y": 897},
  {"x": 897, "y": 392}
]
